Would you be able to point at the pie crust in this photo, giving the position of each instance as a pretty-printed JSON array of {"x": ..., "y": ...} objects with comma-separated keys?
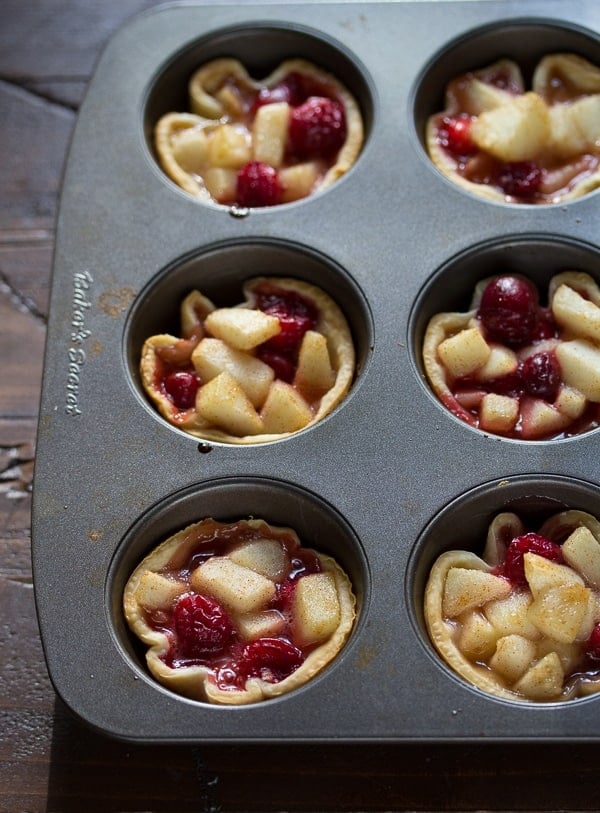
[
  {"x": 501, "y": 637},
  {"x": 179, "y": 136},
  {"x": 556, "y": 125},
  {"x": 170, "y": 571},
  {"x": 313, "y": 405}
]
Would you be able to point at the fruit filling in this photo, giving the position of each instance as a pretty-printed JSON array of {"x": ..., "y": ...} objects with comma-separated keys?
[
  {"x": 502, "y": 141},
  {"x": 522, "y": 621},
  {"x": 238, "y": 612},
  {"x": 518, "y": 367},
  {"x": 250, "y": 143},
  {"x": 264, "y": 369}
]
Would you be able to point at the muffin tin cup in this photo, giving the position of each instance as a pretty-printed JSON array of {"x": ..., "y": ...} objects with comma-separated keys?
[{"x": 373, "y": 484}]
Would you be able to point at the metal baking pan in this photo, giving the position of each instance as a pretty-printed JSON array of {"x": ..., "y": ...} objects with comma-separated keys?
[{"x": 385, "y": 482}]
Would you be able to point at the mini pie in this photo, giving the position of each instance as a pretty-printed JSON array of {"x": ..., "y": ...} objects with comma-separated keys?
[
  {"x": 503, "y": 142},
  {"x": 523, "y": 621},
  {"x": 513, "y": 367},
  {"x": 275, "y": 364},
  {"x": 259, "y": 143},
  {"x": 239, "y": 612}
]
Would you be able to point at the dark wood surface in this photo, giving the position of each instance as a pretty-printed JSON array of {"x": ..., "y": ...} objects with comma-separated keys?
[{"x": 49, "y": 761}]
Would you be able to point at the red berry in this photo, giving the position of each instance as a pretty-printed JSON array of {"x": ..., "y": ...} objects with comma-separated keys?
[
  {"x": 258, "y": 185},
  {"x": 593, "y": 644},
  {"x": 514, "y": 565},
  {"x": 283, "y": 366},
  {"x": 201, "y": 625},
  {"x": 295, "y": 313},
  {"x": 290, "y": 90},
  {"x": 181, "y": 386},
  {"x": 271, "y": 659},
  {"x": 509, "y": 310},
  {"x": 519, "y": 179},
  {"x": 540, "y": 374},
  {"x": 455, "y": 135},
  {"x": 317, "y": 128}
]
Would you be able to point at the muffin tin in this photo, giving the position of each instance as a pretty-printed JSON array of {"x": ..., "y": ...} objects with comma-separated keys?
[{"x": 384, "y": 483}]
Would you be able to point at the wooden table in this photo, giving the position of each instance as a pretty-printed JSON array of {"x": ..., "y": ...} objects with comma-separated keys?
[{"x": 49, "y": 761}]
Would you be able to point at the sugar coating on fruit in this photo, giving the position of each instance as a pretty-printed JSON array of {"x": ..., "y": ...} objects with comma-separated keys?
[
  {"x": 237, "y": 612},
  {"x": 520, "y": 362},
  {"x": 253, "y": 143},
  {"x": 522, "y": 621},
  {"x": 276, "y": 363},
  {"x": 499, "y": 139}
]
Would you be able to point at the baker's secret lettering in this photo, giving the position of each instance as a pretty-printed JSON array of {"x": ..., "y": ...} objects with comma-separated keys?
[{"x": 81, "y": 304}]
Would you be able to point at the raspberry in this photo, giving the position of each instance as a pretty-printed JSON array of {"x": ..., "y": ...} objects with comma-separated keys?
[
  {"x": 514, "y": 565},
  {"x": 282, "y": 364},
  {"x": 540, "y": 374},
  {"x": 317, "y": 128},
  {"x": 290, "y": 89},
  {"x": 258, "y": 185},
  {"x": 519, "y": 179},
  {"x": 271, "y": 659},
  {"x": 509, "y": 310},
  {"x": 202, "y": 626},
  {"x": 455, "y": 135},
  {"x": 181, "y": 387},
  {"x": 296, "y": 315},
  {"x": 593, "y": 644}
]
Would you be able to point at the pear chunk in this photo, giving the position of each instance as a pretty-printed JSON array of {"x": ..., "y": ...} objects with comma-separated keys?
[
  {"x": 582, "y": 552},
  {"x": 498, "y": 413},
  {"x": 544, "y": 680},
  {"x": 315, "y": 608},
  {"x": 213, "y": 356},
  {"x": 516, "y": 131},
  {"x": 238, "y": 589},
  {"x": 579, "y": 315},
  {"x": 477, "y": 637},
  {"x": 542, "y": 574},
  {"x": 285, "y": 410},
  {"x": 513, "y": 656},
  {"x": 580, "y": 366},
  {"x": 560, "y": 611},
  {"x": 467, "y": 588},
  {"x": 269, "y": 133},
  {"x": 224, "y": 403},
  {"x": 509, "y": 616},
  {"x": 229, "y": 146},
  {"x": 314, "y": 373},
  {"x": 299, "y": 180},
  {"x": 242, "y": 328},
  {"x": 464, "y": 353},
  {"x": 155, "y": 591},
  {"x": 265, "y": 624},
  {"x": 264, "y": 556}
]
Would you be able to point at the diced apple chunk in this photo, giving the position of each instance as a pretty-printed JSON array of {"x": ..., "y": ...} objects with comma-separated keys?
[
  {"x": 540, "y": 419},
  {"x": 464, "y": 352},
  {"x": 239, "y": 589},
  {"x": 478, "y": 637},
  {"x": 298, "y": 181},
  {"x": 315, "y": 608},
  {"x": 578, "y": 315},
  {"x": 213, "y": 356},
  {"x": 516, "y": 131},
  {"x": 221, "y": 183},
  {"x": 266, "y": 624},
  {"x": 265, "y": 556},
  {"x": 466, "y": 588},
  {"x": 542, "y": 574},
  {"x": 581, "y": 550},
  {"x": 190, "y": 149},
  {"x": 269, "y": 133},
  {"x": 229, "y": 146},
  {"x": 224, "y": 403},
  {"x": 501, "y": 361},
  {"x": 498, "y": 413},
  {"x": 544, "y": 680},
  {"x": 510, "y": 615},
  {"x": 560, "y": 611},
  {"x": 242, "y": 328},
  {"x": 513, "y": 656},
  {"x": 285, "y": 410},
  {"x": 314, "y": 373},
  {"x": 155, "y": 591},
  {"x": 570, "y": 402},
  {"x": 580, "y": 366}
]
